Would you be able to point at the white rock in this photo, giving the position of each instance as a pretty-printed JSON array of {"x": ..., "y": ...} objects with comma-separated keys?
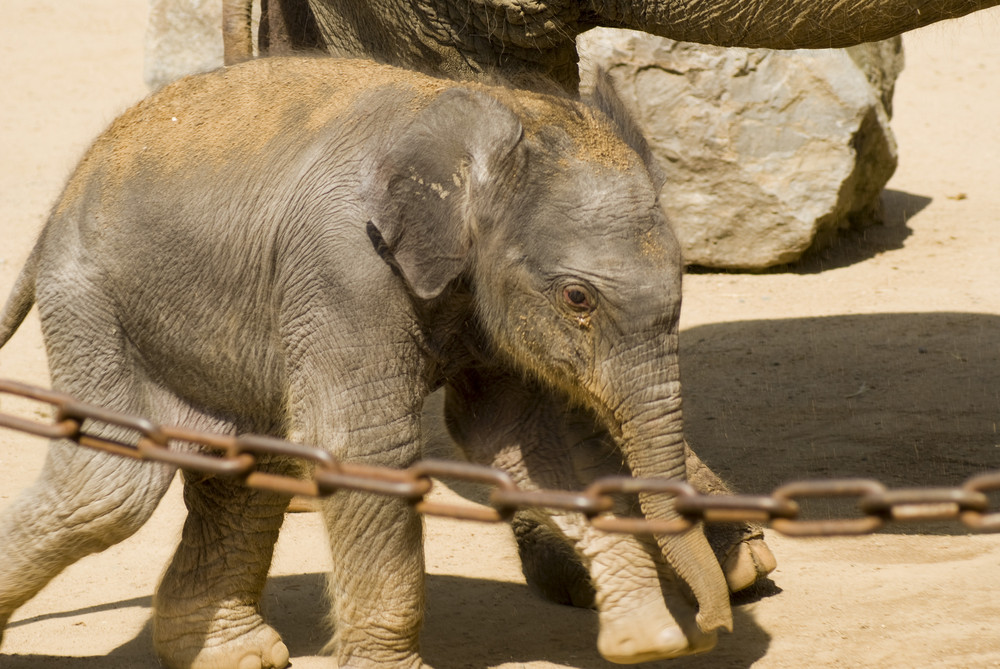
[
  {"x": 765, "y": 152},
  {"x": 183, "y": 37}
]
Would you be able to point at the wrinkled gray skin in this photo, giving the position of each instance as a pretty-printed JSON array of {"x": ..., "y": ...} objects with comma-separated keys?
[
  {"x": 463, "y": 39},
  {"x": 306, "y": 248},
  {"x": 468, "y": 41}
]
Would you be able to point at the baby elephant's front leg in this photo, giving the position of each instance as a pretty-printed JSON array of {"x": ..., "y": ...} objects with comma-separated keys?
[
  {"x": 207, "y": 609},
  {"x": 377, "y": 583}
]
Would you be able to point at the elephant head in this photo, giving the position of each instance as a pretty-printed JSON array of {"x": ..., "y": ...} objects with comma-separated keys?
[
  {"x": 469, "y": 38},
  {"x": 538, "y": 211}
]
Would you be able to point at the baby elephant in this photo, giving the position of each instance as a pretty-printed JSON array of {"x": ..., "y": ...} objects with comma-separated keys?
[{"x": 306, "y": 248}]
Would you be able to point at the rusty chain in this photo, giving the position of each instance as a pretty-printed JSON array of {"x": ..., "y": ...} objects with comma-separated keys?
[{"x": 238, "y": 456}]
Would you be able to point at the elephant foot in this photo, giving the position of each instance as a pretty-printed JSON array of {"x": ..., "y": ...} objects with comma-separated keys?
[
  {"x": 661, "y": 627},
  {"x": 748, "y": 563},
  {"x": 260, "y": 647},
  {"x": 742, "y": 552}
]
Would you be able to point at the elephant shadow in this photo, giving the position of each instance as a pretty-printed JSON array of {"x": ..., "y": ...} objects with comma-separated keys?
[
  {"x": 910, "y": 399},
  {"x": 469, "y": 623},
  {"x": 476, "y": 623}
]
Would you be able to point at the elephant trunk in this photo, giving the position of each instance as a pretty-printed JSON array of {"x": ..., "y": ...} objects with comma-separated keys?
[
  {"x": 652, "y": 442},
  {"x": 781, "y": 24}
]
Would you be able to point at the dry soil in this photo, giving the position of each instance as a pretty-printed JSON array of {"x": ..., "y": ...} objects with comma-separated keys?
[{"x": 877, "y": 358}]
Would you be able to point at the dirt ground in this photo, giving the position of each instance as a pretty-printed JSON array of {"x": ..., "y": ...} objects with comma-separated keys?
[{"x": 877, "y": 358}]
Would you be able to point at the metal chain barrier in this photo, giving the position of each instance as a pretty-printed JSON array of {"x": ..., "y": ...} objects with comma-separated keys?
[{"x": 239, "y": 456}]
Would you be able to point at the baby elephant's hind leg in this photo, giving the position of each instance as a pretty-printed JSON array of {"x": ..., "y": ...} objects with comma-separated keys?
[
  {"x": 207, "y": 608},
  {"x": 83, "y": 502}
]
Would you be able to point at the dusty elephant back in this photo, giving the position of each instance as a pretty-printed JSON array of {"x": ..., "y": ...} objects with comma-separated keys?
[
  {"x": 192, "y": 210},
  {"x": 236, "y": 115},
  {"x": 246, "y": 113}
]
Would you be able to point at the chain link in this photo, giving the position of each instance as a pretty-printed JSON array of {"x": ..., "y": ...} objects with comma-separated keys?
[{"x": 241, "y": 457}]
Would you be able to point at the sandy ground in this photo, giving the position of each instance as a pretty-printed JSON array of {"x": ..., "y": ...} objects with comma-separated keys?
[{"x": 878, "y": 358}]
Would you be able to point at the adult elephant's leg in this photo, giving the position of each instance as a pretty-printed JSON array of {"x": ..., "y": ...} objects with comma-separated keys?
[
  {"x": 237, "y": 33},
  {"x": 207, "y": 607},
  {"x": 286, "y": 27}
]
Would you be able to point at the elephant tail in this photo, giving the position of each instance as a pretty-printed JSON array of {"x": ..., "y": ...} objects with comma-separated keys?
[{"x": 22, "y": 297}]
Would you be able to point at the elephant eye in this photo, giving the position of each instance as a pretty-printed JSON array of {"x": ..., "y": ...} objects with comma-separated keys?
[{"x": 578, "y": 297}]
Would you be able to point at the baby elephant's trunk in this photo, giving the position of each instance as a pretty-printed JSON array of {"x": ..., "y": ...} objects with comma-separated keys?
[{"x": 653, "y": 445}]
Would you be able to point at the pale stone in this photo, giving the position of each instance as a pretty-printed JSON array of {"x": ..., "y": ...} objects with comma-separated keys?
[
  {"x": 183, "y": 37},
  {"x": 765, "y": 152}
]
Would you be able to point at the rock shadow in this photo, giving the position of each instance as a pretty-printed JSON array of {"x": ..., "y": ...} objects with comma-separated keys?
[
  {"x": 854, "y": 244},
  {"x": 858, "y": 243}
]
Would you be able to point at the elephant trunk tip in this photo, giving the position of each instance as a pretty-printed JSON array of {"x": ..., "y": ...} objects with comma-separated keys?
[{"x": 710, "y": 621}]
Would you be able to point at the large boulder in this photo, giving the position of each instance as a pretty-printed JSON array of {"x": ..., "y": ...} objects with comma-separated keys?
[{"x": 766, "y": 153}]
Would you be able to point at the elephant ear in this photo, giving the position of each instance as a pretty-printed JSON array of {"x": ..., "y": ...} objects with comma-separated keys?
[
  {"x": 605, "y": 98},
  {"x": 449, "y": 155}
]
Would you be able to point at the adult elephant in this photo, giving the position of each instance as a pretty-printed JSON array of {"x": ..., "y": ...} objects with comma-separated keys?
[{"x": 463, "y": 38}]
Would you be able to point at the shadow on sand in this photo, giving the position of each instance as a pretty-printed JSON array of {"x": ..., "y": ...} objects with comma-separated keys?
[{"x": 470, "y": 623}]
